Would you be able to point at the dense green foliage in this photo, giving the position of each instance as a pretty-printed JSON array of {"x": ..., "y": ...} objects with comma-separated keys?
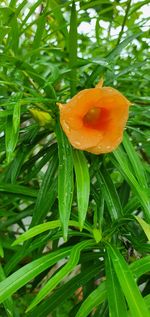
[{"x": 75, "y": 227}]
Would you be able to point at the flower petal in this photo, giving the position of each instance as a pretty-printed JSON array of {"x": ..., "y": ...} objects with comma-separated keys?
[{"x": 87, "y": 127}]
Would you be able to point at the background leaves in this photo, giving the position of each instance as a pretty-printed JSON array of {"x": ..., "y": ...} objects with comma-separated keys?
[{"x": 59, "y": 204}]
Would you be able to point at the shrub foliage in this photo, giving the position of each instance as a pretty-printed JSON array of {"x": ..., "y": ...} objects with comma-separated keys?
[{"x": 75, "y": 227}]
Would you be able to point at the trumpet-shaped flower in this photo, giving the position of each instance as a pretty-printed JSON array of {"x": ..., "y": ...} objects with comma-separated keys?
[{"x": 94, "y": 119}]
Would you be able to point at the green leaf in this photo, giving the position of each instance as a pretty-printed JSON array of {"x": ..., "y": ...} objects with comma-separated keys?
[
  {"x": 92, "y": 4},
  {"x": 16, "y": 118},
  {"x": 93, "y": 300},
  {"x": 20, "y": 7},
  {"x": 13, "y": 36},
  {"x": 64, "y": 292},
  {"x": 22, "y": 276},
  {"x": 138, "y": 268},
  {"x": 61, "y": 22},
  {"x": 1, "y": 249},
  {"x": 45, "y": 157},
  {"x": 97, "y": 235},
  {"x": 137, "y": 6},
  {"x": 37, "y": 230},
  {"x": 147, "y": 300},
  {"x": 8, "y": 303},
  {"x": 42, "y": 228},
  {"x": 117, "y": 50},
  {"x": 73, "y": 49},
  {"x": 10, "y": 141},
  {"x": 83, "y": 184},
  {"x": 109, "y": 193},
  {"x": 12, "y": 127},
  {"x": 128, "y": 4},
  {"x": 137, "y": 164},
  {"x": 141, "y": 266},
  {"x": 39, "y": 33},
  {"x": 12, "y": 3},
  {"x": 31, "y": 11},
  {"x": 55, "y": 280},
  {"x": 132, "y": 205},
  {"x": 125, "y": 169},
  {"x": 18, "y": 190},
  {"x": 145, "y": 226},
  {"x": 15, "y": 166},
  {"x": 116, "y": 301},
  {"x": 132, "y": 294},
  {"x": 65, "y": 179},
  {"x": 110, "y": 58},
  {"x": 46, "y": 194},
  {"x": 129, "y": 69},
  {"x": 3, "y": 31}
]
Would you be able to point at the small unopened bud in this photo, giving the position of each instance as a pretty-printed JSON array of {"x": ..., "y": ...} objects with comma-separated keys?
[{"x": 43, "y": 118}]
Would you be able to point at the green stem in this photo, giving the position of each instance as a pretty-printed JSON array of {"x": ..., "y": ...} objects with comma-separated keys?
[
  {"x": 124, "y": 21},
  {"x": 73, "y": 49}
]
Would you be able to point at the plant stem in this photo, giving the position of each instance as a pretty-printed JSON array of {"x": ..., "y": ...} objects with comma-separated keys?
[{"x": 124, "y": 21}]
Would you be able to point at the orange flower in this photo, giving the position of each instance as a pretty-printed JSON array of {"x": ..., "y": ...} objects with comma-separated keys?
[{"x": 94, "y": 119}]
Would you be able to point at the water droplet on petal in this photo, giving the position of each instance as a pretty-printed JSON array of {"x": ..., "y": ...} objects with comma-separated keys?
[
  {"x": 77, "y": 143},
  {"x": 66, "y": 126},
  {"x": 108, "y": 147}
]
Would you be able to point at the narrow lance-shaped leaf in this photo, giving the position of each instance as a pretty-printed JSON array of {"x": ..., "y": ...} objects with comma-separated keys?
[
  {"x": 128, "y": 4},
  {"x": 16, "y": 117},
  {"x": 20, "y": 7},
  {"x": 147, "y": 300},
  {"x": 9, "y": 139},
  {"x": 38, "y": 34},
  {"x": 12, "y": 129},
  {"x": 110, "y": 194},
  {"x": 65, "y": 179},
  {"x": 45, "y": 198},
  {"x": 124, "y": 167},
  {"x": 145, "y": 226},
  {"x": 56, "y": 9},
  {"x": 117, "y": 50},
  {"x": 137, "y": 164},
  {"x": 83, "y": 184},
  {"x": 1, "y": 249},
  {"x": 73, "y": 48},
  {"x": 50, "y": 225},
  {"x": 137, "y": 6},
  {"x": 8, "y": 303},
  {"x": 116, "y": 301},
  {"x": 128, "y": 285},
  {"x": 22, "y": 276},
  {"x": 58, "y": 277},
  {"x": 93, "y": 300},
  {"x": 140, "y": 267},
  {"x": 31, "y": 10},
  {"x": 115, "y": 53},
  {"x": 64, "y": 292},
  {"x": 18, "y": 190},
  {"x": 46, "y": 193},
  {"x": 13, "y": 35}
]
